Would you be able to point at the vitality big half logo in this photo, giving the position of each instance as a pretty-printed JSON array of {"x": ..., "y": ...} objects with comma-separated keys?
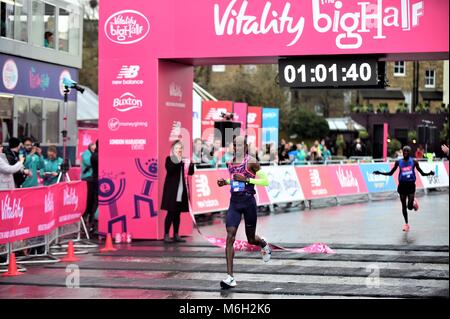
[{"x": 126, "y": 27}]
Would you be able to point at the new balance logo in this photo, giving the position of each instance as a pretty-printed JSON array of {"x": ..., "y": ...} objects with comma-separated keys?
[
  {"x": 201, "y": 185},
  {"x": 127, "y": 76},
  {"x": 128, "y": 72}
]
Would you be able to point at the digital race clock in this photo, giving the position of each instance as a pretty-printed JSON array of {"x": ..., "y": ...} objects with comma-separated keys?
[{"x": 333, "y": 73}]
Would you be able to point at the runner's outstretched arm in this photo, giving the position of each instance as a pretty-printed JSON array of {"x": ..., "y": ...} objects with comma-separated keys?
[
  {"x": 416, "y": 164},
  {"x": 387, "y": 173}
]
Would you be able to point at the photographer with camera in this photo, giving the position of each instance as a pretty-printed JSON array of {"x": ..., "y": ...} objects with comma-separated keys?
[
  {"x": 34, "y": 161},
  {"x": 52, "y": 166}
]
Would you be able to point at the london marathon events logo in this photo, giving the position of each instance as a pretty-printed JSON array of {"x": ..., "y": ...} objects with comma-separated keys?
[
  {"x": 127, "y": 102},
  {"x": 127, "y": 27}
]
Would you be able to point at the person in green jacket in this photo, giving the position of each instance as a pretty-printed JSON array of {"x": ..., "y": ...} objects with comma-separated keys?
[
  {"x": 33, "y": 162},
  {"x": 86, "y": 169},
  {"x": 52, "y": 166}
]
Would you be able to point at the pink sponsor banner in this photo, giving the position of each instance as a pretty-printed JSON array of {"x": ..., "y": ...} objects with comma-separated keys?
[
  {"x": 71, "y": 201},
  {"x": 206, "y": 195},
  {"x": 32, "y": 212},
  {"x": 446, "y": 166},
  {"x": 262, "y": 197},
  {"x": 211, "y": 111},
  {"x": 347, "y": 179},
  {"x": 224, "y": 28},
  {"x": 174, "y": 123},
  {"x": 85, "y": 137},
  {"x": 315, "y": 182},
  {"x": 254, "y": 125},
  {"x": 240, "y": 111},
  {"x": 419, "y": 183}
]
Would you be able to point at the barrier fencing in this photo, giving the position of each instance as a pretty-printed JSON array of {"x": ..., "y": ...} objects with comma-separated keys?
[{"x": 42, "y": 219}]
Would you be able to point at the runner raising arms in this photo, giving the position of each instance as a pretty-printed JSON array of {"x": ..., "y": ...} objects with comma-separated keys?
[
  {"x": 406, "y": 182},
  {"x": 245, "y": 173}
]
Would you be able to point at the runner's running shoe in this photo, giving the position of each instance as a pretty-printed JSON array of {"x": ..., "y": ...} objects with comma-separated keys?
[
  {"x": 406, "y": 228},
  {"x": 416, "y": 204},
  {"x": 228, "y": 283},
  {"x": 266, "y": 252}
]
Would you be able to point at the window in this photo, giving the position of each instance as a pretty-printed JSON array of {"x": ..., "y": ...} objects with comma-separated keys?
[
  {"x": 218, "y": 68},
  {"x": 63, "y": 30},
  {"x": 399, "y": 68},
  {"x": 74, "y": 33},
  {"x": 44, "y": 24},
  {"x": 29, "y": 118},
  {"x": 430, "y": 79},
  {"x": 250, "y": 69},
  {"x": 6, "y": 118},
  {"x": 51, "y": 122},
  {"x": 14, "y": 19},
  {"x": 35, "y": 119}
]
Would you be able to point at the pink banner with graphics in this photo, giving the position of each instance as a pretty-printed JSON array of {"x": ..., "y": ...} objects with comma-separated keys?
[
  {"x": 315, "y": 182},
  {"x": 206, "y": 195},
  {"x": 347, "y": 179},
  {"x": 32, "y": 212},
  {"x": 85, "y": 137},
  {"x": 211, "y": 111},
  {"x": 254, "y": 125},
  {"x": 240, "y": 111}
]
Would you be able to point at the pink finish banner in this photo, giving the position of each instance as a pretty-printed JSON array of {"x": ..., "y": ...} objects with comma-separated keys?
[
  {"x": 315, "y": 182},
  {"x": 85, "y": 137},
  {"x": 32, "y": 212},
  {"x": 240, "y": 111},
  {"x": 347, "y": 179},
  {"x": 254, "y": 125}
]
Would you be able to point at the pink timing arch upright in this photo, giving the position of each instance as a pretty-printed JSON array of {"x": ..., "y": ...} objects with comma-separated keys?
[{"x": 148, "y": 50}]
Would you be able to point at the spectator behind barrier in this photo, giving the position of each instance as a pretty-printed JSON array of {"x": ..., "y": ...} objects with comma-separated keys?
[
  {"x": 34, "y": 161},
  {"x": 52, "y": 166},
  {"x": 12, "y": 155},
  {"x": 7, "y": 171}
]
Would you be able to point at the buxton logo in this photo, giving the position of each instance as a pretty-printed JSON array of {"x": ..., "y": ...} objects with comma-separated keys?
[
  {"x": 126, "y": 27},
  {"x": 127, "y": 102}
]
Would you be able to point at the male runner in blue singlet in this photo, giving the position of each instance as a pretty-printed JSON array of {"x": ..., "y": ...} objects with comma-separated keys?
[{"x": 406, "y": 182}]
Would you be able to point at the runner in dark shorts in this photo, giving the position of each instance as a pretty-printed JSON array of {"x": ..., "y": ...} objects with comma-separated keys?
[
  {"x": 406, "y": 182},
  {"x": 245, "y": 173}
]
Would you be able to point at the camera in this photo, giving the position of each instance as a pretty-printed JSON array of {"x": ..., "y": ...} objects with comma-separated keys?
[
  {"x": 71, "y": 84},
  {"x": 37, "y": 144},
  {"x": 227, "y": 116}
]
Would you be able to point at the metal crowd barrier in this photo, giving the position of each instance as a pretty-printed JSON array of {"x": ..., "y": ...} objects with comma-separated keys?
[{"x": 49, "y": 245}]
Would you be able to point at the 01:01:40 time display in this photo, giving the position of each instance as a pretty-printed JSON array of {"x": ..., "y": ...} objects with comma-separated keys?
[{"x": 320, "y": 73}]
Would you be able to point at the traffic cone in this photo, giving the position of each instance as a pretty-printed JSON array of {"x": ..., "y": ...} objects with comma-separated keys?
[
  {"x": 108, "y": 245},
  {"x": 12, "y": 267},
  {"x": 70, "y": 257}
]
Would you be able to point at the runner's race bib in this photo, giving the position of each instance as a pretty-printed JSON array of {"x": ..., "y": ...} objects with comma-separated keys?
[{"x": 237, "y": 186}]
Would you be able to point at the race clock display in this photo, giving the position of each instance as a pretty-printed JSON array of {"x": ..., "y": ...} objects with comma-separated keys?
[{"x": 336, "y": 73}]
